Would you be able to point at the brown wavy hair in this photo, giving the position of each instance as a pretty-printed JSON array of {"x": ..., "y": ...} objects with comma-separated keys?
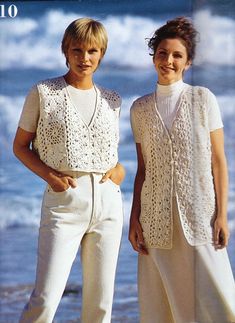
[{"x": 181, "y": 28}]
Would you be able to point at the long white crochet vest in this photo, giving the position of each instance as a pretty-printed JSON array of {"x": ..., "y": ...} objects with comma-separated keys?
[
  {"x": 179, "y": 158},
  {"x": 64, "y": 142}
]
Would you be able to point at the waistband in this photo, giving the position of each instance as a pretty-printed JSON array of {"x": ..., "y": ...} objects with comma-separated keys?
[{"x": 77, "y": 174}]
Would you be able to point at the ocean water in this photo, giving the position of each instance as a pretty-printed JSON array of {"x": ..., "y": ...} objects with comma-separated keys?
[{"x": 29, "y": 52}]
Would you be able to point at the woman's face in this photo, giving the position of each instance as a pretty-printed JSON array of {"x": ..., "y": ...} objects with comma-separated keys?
[
  {"x": 171, "y": 60},
  {"x": 83, "y": 59}
]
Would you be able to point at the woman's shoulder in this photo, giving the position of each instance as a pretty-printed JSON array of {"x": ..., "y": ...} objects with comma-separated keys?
[
  {"x": 111, "y": 96},
  {"x": 51, "y": 86},
  {"x": 53, "y": 81},
  {"x": 197, "y": 89},
  {"x": 202, "y": 95},
  {"x": 142, "y": 102}
]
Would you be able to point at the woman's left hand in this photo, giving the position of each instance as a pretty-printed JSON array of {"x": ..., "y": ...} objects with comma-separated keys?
[
  {"x": 116, "y": 174},
  {"x": 220, "y": 233}
]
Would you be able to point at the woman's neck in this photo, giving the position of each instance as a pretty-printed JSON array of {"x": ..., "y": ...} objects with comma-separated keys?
[
  {"x": 170, "y": 88},
  {"x": 83, "y": 83}
]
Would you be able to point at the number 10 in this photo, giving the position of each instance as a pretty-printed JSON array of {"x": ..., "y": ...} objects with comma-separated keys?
[{"x": 11, "y": 11}]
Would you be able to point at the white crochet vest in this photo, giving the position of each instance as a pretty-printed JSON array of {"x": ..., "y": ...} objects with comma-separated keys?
[
  {"x": 179, "y": 158},
  {"x": 64, "y": 142}
]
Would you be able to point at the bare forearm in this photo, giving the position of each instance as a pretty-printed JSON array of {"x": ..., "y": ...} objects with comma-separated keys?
[
  {"x": 220, "y": 174},
  {"x": 31, "y": 160},
  {"x": 139, "y": 180},
  {"x": 135, "y": 230}
]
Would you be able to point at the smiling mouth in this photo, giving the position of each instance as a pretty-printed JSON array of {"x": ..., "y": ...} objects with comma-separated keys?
[
  {"x": 82, "y": 66},
  {"x": 167, "y": 69}
]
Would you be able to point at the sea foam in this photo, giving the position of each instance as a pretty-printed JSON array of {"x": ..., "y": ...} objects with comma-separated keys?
[{"x": 36, "y": 43}]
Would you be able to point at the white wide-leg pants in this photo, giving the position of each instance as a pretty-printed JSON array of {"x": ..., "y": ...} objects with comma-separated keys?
[
  {"x": 90, "y": 216},
  {"x": 186, "y": 284}
]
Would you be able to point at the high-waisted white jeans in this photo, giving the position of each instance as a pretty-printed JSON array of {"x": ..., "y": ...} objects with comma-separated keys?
[
  {"x": 186, "y": 284},
  {"x": 90, "y": 216}
]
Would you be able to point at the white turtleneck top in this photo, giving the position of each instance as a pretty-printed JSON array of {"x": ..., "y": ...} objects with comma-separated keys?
[{"x": 168, "y": 99}]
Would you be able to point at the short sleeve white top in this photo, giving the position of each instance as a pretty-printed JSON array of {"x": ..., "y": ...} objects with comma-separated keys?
[
  {"x": 84, "y": 100},
  {"x": 167, "y": 103}
]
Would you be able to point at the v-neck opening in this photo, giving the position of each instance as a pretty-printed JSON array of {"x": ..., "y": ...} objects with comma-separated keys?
[
  {"x": 88, "y": 125},
  {"x": 170, "y": 130}
]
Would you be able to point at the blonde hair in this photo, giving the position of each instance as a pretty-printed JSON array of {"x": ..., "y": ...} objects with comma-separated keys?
[{"x": 87, "y": 31}]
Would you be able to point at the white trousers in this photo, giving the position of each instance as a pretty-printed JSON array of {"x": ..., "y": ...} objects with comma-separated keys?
[
  {"x": 90, "y": 216},
  {"x": 186, "y": 284}
]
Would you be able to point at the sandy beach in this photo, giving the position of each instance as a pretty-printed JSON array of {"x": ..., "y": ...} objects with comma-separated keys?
[{"x": 18, "y": 262}]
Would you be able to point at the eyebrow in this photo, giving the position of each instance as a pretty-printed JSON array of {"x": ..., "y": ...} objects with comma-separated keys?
[
  {"x": 81, "y": 47},
  {"x": 162, "y": 48}
]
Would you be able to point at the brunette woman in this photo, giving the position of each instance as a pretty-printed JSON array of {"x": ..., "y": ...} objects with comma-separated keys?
[{"x": 178, "y": 221}]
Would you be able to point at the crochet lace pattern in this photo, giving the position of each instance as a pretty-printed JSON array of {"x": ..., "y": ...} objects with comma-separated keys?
[
  {"x": 181, "y": 158},
  {"x": 64, "y": 142}
]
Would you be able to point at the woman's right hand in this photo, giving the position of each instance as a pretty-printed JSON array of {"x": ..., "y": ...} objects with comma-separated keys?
[
  {"x": 136, "y": 237},
  {"x": 60, "y": 182}
]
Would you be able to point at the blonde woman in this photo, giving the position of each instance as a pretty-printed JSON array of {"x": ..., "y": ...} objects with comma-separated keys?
[{"x": 72, "y": 125}]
